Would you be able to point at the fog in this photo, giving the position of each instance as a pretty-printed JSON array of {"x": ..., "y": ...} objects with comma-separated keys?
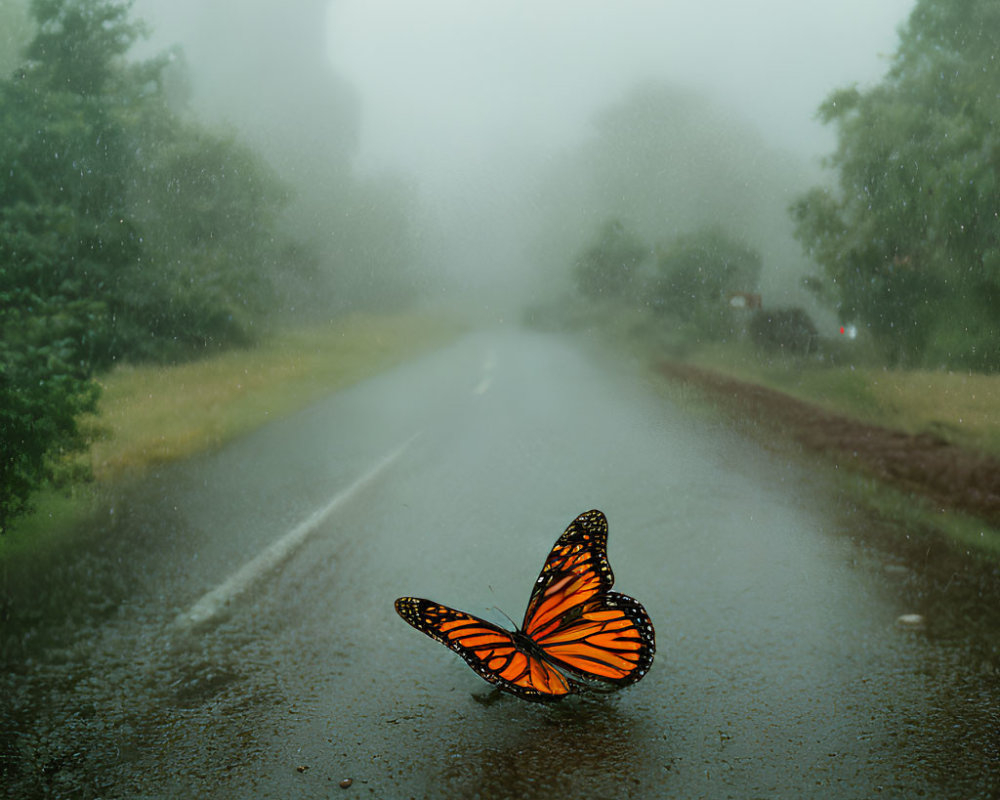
[
  {"x": 201, "y": 606},
  {"x": 445, "y": 83},
  {"x": 489, "y": 116}
]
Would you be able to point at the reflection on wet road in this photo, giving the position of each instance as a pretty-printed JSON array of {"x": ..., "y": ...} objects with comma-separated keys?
[{"x": 780, "y": 668}]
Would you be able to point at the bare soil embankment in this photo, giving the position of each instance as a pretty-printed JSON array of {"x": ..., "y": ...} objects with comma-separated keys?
[{"x": 950, "y": 476}]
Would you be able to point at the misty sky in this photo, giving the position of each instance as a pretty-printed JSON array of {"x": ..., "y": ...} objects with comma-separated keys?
[
  {"x": 473, "y": 97},
  {"x": 443, "y": 82},
  {"x": 474, "y": 100}
]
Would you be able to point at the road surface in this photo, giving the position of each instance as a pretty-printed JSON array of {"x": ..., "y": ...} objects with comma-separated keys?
[{"x": 225, "y": 627}]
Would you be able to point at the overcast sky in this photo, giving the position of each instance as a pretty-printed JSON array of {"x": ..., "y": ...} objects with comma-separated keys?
[
  {"x": 473, "y": 98},
  {"x": 443, "y": 81}
]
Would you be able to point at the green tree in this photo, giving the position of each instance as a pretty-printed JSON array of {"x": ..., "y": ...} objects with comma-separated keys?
[
  {"x": 669, "y": 161},
  {"x": 608, "y": 268},
  {"x": 79, "y": 43},
  {"x": 69, "y": 153},
  {"x": 695, "y": 273},
  {"x": 125, "y": 231},
  {"x": 15, "y": 32},
  {"x": 206, "y": 206},
  {"x": 46, "y": 333},
  {"x": 63, "y": 240},
  {"x": 911, "y": 238}
]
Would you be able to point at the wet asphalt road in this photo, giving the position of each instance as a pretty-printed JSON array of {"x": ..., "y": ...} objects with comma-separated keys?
[{"x": 152, "y": 661}]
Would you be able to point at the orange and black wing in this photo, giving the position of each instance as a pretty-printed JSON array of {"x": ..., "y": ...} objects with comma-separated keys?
[
  {"x": 576, "y": 571},
  {"x": 491, "y": 651},
  {"x": 610, "y": 642},
  {"x": 574, "y": 618}
]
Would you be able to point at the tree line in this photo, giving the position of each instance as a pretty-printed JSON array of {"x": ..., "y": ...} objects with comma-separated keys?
[
  {"x": 907, "y": 243},
  {"x": 128, "y": 229}
]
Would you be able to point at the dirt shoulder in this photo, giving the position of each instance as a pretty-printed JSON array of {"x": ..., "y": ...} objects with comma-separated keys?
[{"x": 926, "y": 464}]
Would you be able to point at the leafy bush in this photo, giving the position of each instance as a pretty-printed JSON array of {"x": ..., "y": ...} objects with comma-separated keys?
[
  {"x": 608, "y": 268},
  {"x": 789, "y": 330},
  {"x": 695, "y": 273},
  {"x": 965, "y": 340},
  {"x": 44, "y": 387}
]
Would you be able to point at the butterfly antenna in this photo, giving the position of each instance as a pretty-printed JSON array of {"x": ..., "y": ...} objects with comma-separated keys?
[
  {"x": 512, "y": 623},
  {"x": 497, "y": 608}
]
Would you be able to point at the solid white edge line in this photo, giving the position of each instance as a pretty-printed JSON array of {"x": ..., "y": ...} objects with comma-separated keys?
[{"x": 216, "y": 600}]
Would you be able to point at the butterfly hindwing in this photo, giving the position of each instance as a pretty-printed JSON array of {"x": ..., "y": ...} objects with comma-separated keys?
[
  {"x": 496, "y": 654},
  {"x": 611, "y": 642}
]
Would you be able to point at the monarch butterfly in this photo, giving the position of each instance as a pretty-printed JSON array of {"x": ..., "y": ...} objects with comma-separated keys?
[{"x": 577, "y": 634}]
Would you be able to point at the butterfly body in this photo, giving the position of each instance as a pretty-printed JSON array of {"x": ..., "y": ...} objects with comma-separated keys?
[{"x": 577, "y": 634}]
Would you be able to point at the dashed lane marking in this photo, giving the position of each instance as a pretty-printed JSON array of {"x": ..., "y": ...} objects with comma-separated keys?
[{"x": 487, "y": 379}]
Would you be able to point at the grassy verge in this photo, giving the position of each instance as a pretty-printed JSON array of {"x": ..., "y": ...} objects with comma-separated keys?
[
  {"x": 150, "y": 414},
  {"x": 918, "y": 520},
  {"x": 960, "y": 407}
]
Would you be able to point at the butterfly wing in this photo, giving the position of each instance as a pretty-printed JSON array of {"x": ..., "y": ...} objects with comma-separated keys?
[
  {"x": 574, "y": 618},
  {"x": 610, "y": 642},
  {"x": 576, "y": 571},
  {"x": 496, "y": 654}
]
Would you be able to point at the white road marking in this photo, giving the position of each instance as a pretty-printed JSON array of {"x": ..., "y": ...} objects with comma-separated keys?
[
  {"x": 215, "y": 601},
  {"x": 487, "y": 380}
]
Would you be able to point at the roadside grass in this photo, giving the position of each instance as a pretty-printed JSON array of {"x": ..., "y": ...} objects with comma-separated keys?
[
  {"x": 855, "y": 394},
  {"x": 917, "y": 519},
  {"x": 960, "y": 407},
  {"x": 149, "y": 414},
  {"x": 154, "y": 414}
]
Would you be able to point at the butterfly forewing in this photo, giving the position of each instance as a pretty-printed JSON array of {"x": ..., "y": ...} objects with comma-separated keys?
[
  {"x": 576, "y": 570},
  {"x": 494, "y": 653}
]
